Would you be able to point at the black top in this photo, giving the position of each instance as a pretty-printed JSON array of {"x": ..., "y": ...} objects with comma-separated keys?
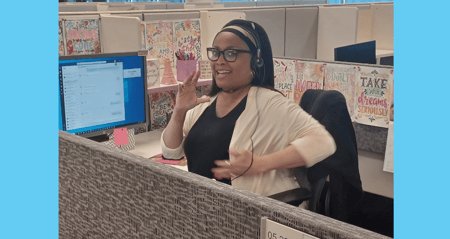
[{"x": 209, "y": 139}]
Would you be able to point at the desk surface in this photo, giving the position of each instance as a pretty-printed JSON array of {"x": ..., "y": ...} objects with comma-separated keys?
[{"x": 148, "y": 144}]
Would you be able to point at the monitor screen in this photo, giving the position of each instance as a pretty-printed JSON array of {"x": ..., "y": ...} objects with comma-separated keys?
[
  {"x": 101, "y": 92},
  {"x": 360, "y": 53}
]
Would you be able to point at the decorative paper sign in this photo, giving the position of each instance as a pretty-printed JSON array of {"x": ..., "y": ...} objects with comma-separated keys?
[
  {"x": 388, "y": 165},
  {"x": 343, "y": 79},
  {"x": 159, "y": 41},
  {"x": 205, "y": 69},
  {"x": 153, "y": 78},
  {"x": 82, "y": 37},
  {"x": 309, "y": 76},
  {"x": 161, "y": 108},
  {"x": 187, "y": 38},
  {"x": 143, "y": 34},
  {"x": 120, "y": 136},
  {"x": 284, "y": 77},
  {"x": 373, "y": 96},
  {"x": 184, "y": 68},
  {"x": 168, "y": 78},
  {"x": 61, "y": 38}
]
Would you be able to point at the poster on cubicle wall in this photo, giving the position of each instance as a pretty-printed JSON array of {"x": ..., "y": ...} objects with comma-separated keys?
[
  {"x": 159, "y": 36},
  {"x": 284, "y": 76},
  {"x": 187, "y": 39},
  {"x": 343, "y": 79},
  {"x": 82, "y": 36},
  {"x": 309, "y": 75},
  {"x": 373, "y": 95},
  {"x": 61, "y": 38},
  {"x": 161, "y": 108}
]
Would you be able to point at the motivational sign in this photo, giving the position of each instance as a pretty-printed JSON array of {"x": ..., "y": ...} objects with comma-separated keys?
[
  {"x": 187, "y": 38},
  {"x": 159, "y": 41},
  {"x": 343, "y": 79},
  {"x": 153, "y": 78},
  {"x": 161, "y": 106},
  {"x": 61, "y": 38},
  {"x": 373, "y": 96},
  {"x": 284, "y": 77},
  {"x": 82, "y": 37},
  {"x": 309, "y": 75}
]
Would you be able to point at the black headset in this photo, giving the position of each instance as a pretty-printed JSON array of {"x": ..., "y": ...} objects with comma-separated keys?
[{"x": 258, "y": 62}]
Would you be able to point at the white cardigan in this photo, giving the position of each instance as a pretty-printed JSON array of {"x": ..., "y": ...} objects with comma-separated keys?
[{"x": 280, "y": 122}]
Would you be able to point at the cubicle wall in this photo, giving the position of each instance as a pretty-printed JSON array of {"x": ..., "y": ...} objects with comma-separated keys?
[
  {"x": 108, "y": 193},
  {"x": 311, "y": 31}
]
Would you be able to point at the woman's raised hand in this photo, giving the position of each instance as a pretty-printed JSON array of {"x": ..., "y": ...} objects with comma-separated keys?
[{"x": 186, "y": 96}]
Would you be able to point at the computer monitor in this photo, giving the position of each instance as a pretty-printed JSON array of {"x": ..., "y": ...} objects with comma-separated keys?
[
  {"x": 360, "y": 53},
  {"x": 101, "y": 92}
]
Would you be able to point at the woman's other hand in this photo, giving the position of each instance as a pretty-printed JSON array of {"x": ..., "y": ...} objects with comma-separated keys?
[
  {"x": 186, "y": 96},
  {"x": 241, "y": 161}
]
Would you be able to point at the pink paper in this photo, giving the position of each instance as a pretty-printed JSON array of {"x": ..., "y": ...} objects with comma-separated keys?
[
  {"x": 184, "y": 68},
  {"x": 172, "y": 162},
  {"x": 120, "y": 136}
]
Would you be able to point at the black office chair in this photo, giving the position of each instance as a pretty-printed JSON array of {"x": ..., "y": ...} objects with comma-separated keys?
[{"x": 338, "y": 197}]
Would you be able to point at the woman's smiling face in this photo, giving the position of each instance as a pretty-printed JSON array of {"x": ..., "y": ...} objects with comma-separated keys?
[{"x": 231, "y": 75}]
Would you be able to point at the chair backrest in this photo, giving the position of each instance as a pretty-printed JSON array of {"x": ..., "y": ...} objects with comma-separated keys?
[{"x": 329, "y": 107}]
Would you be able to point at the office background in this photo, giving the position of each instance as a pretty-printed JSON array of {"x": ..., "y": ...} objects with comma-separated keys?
[{"x": 40, "y": 151}]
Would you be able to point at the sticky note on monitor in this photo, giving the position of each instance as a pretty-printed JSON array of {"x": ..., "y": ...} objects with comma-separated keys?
[{"x": 120, "y": 136}]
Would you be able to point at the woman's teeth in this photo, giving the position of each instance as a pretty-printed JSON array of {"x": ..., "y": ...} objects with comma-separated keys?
[{"x": 223, "y": 72}]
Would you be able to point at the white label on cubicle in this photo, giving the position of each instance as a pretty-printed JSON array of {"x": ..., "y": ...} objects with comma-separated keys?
[
  {"x": 131, "y": 73},
  {"x": 274, "y": 230}
]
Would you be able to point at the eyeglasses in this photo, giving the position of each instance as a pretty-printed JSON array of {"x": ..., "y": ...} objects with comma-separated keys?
[{"x": 229, "y": 55}]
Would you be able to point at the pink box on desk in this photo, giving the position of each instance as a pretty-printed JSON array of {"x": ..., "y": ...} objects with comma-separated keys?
[{"x": 184, "y": 68}]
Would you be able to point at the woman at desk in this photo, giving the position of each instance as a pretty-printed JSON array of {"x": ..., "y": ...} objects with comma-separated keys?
[{"x": 245, "y": 133}]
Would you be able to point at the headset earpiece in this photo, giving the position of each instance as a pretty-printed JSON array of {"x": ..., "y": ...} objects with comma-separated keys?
[{"x": 259, "y": 60}]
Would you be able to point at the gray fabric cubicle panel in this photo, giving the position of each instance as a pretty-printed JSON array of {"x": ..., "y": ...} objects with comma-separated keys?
[
  {"x": 138, "y": 15},
  {"x": 309, "y": 2},
  {"x": 170, "y": 16},
  {"x": 301, "y": 32},
  {"x": 383, "y": 26},
  {"x": 108, "y": 193},
  {"x": 175, "y": 5},
  {"x": 274, "y": 3},
  {"x": 153, "y": 5},
  {"x": 120, "y": 34},
  {"x": 365, "y": 24},
  {"x": 273, "y": 21},
  {"x": 337, "y": 27},
  {"x": 239, "y": 4},
  {"x": 77, "y": 7}
]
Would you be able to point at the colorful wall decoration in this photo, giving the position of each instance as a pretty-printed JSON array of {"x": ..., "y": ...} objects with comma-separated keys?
[
  {"x": 161, "y": 108},
  {"x": 284, "y": 76},
  {"x": 82, "y": 36},
  {"x": 373, "y": 96},
  {"x": 187, "y": 37},
  {"x": 159, "y": 41},
  {"x": 61, "y": 38},
  {"x": 309, "y": 75},
  {"x": 343, "y": 79}
]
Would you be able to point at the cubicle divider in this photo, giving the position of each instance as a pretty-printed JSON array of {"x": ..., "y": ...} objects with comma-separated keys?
[
  {"x": 294, "y": 30},
  {"x": 108, "y": 193}
]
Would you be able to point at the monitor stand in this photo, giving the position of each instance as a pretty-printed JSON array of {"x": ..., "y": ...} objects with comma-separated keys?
[{"x": 100, "y": 138}]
